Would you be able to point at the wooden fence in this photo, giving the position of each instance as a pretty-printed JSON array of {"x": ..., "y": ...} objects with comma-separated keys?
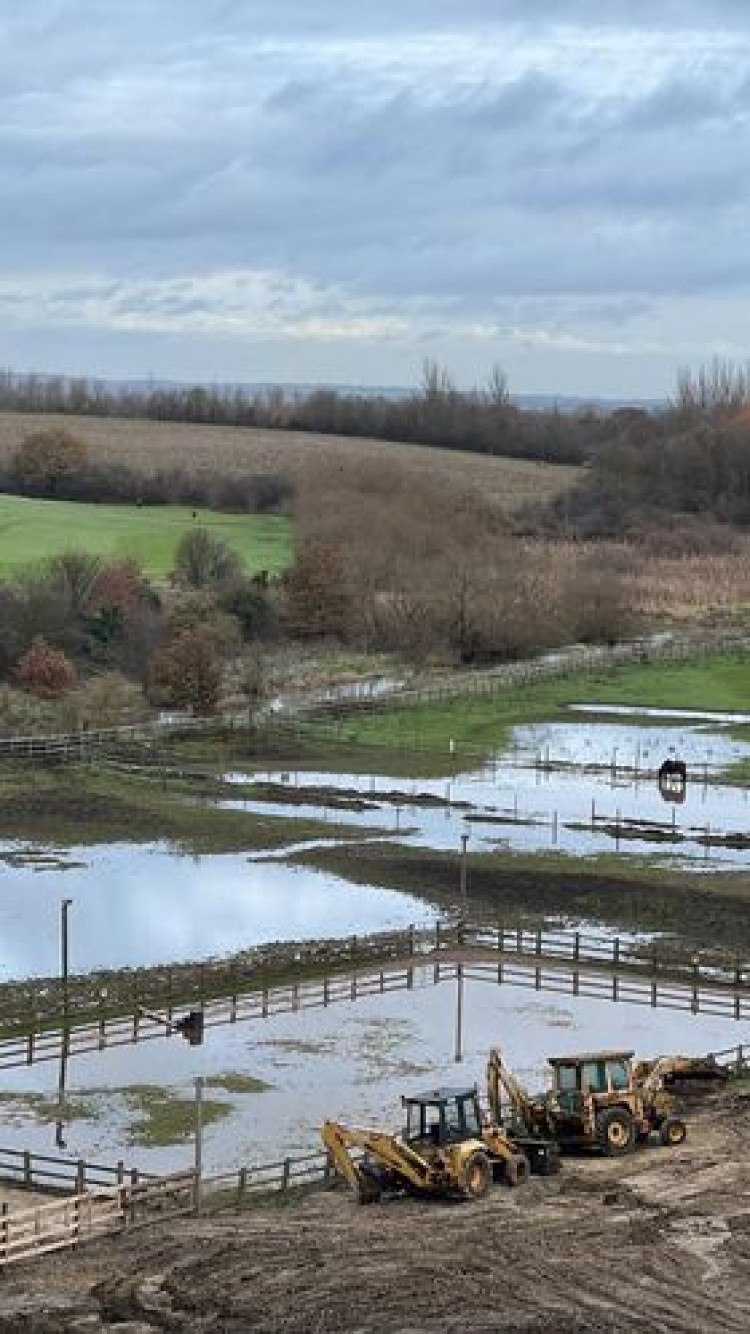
[
  {"x": 55, "y": 1173},
  {"x": 47, "y": 1003},
  {"x": 570, "y": 962},
  {"x": 571, "y": 662},
  {"x": 85, "y": 743},
  {"x": 26, "y": 1234}
]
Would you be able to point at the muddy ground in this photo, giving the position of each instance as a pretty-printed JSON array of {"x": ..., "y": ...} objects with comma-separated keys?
[{"x": 657, "y": 1242}]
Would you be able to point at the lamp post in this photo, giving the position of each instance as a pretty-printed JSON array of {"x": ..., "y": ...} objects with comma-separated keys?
[
  {"x": 64, "y": 955},
  {"x": 65, "y": 1041},
  {"x": 458, "y": 1048},
  {"x": 198, "y": 1143}
]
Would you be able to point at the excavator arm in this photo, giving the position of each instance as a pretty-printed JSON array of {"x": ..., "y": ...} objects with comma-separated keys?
[
  {"x": 499, "y": 1077},
  {"x": 390, "y": 1154}
]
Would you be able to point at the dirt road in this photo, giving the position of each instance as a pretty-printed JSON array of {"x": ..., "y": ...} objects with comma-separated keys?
[{"x": 656, "y": 1242}]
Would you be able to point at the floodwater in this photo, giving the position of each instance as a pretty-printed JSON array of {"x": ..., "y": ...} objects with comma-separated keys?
[
  {"x": 135, "y": 906},
  {"x": 523, "y": 801},
  {"x": 146, "y": 905},
  {"x": 350, "y": 1062}
]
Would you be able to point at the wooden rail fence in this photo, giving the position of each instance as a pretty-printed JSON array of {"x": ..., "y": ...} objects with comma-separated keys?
[
  {"x": 55, "y": 1173},
  {"x": 569, "y": 962},
  {"x": 85, "y": 743},
  {"x": 26, "y": 1234},
  {"x": 94, "y": 1002}
]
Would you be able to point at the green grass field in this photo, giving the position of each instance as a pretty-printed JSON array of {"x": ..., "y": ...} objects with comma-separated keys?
[
  {"x": 719, "y": 682},
  {"x": 31, "y": 530}
]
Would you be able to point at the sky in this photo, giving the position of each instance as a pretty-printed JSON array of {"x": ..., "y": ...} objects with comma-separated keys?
[{"x": 319, "y": 190}]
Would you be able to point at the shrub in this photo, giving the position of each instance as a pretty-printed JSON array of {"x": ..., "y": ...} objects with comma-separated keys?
[
  {"x": 317, "y": 593},
  {"x": 109, "y": 700},
  {"x": 45, "y": 459},
  {"x": 249, "y": 602},
  {"x": 203, "y": 560},
  {"x": 45, "y": 672},
  {"x": 186, "y": 674}
]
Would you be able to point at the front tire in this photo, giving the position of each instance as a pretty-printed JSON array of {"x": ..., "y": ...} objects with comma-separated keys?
[
  {"x": 616, "y": 1131},
  {"x": 476, "y": 1177}
]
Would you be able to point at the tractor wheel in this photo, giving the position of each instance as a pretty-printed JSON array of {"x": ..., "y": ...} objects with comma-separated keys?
[
  {"x": 672, "y": 1131},
  {"x": 477, "y": 1175},
  {"x": 517, "y": 1169},
  {"x": 616, "y": 1131}
]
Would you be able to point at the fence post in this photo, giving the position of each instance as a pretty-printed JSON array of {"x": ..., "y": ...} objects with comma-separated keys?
[
  {"x": 27, "y": 1173},
  {"x": 285, "y": 1175},
  {"x": 80, "y": 1176}
]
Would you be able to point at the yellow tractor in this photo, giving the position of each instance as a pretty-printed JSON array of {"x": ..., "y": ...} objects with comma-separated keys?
[
  {"x": 601, "y": 1099},
  {"x": 444, "y": 1150}
]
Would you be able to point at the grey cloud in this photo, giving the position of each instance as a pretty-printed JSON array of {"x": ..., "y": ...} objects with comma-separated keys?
[{"x": 308, "y": 142}]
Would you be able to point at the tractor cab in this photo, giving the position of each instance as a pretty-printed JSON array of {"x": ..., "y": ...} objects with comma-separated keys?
[
  {"x": 601, "y": 1074},
  {"x": 443, "y": 1116}
]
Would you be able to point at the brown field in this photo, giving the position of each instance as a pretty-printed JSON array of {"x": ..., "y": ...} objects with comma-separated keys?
[
  {"x": 151, "y": 445},
  {"x": 706, "y": 588}
]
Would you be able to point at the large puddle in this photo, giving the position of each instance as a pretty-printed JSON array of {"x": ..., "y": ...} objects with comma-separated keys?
[
  {"x": 276, "y": 1080},
  {"x": 136, "y": 906},
  {"x": 352, "y": 1062}
]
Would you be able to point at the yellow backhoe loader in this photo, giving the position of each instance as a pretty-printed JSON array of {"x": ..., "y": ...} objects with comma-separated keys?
[
  {"x": 445, "y": 1149},
  {"x": 601, "y": 1099}
]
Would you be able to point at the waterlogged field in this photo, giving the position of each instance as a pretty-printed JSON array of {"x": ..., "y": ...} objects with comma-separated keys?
[
  {"x": 561, "y": 787},
  {"x": 32, "y": 530},
  {"x": 134, "y": 906}
]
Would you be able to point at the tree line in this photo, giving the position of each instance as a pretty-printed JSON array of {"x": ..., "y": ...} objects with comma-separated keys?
[{"x": 484, "y": 420}]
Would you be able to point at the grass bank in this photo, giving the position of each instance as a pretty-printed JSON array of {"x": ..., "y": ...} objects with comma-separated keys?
[
  {"x": 444, "y": 738},
  {"x": 75, "y": 806},
  {"x": 629, "y": 895},
  {"x": 717, "y": 683},
  {"x": 31, "y": 530}
]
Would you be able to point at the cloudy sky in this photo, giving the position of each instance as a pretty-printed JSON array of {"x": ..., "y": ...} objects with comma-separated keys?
[{"x": 306, "y": 190}]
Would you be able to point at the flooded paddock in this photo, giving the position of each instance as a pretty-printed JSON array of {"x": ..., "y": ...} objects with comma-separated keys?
[
  {"x": 277, "y": 1079},
  {"x": 135, "y": 906}
]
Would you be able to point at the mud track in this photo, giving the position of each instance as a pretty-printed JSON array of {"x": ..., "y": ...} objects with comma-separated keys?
[{"x": 659, "y": 1242}]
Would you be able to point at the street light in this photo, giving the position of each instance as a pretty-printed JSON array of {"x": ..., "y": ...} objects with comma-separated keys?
[
  {"x": 65, "y": 1042},
  {"x": 64, "y": 905}
]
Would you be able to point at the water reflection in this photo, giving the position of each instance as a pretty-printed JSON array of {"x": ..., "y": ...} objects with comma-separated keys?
[{"x": 146, "y": 905}]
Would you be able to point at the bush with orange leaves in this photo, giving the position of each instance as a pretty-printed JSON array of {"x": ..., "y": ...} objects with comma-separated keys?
[
  {"x": 186, "y": 673},
  {"x": 45, "y": 672}
]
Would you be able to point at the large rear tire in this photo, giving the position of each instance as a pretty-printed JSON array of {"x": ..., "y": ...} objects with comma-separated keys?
[
  {"x": 615, "y": 1130},
  {"x": 476, "y": 1177},
  {"x": 517, "y": 1169},
  {"x": 672, "y": 1131}
]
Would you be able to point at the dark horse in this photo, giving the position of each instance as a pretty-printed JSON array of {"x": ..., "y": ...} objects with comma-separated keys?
[{"x": 673, "y": 780}]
